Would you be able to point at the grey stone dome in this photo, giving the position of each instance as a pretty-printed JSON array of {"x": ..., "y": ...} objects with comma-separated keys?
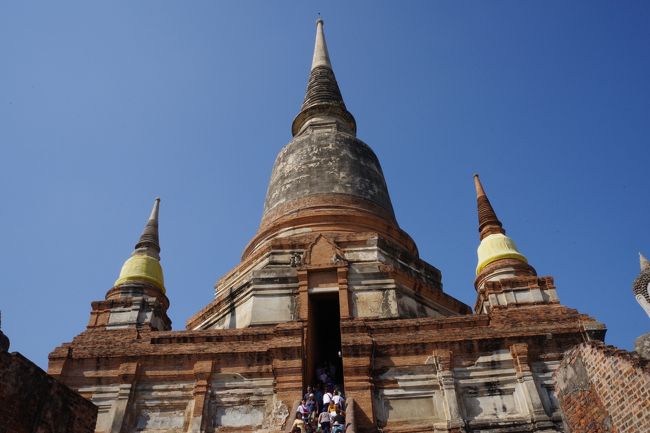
[
  {"x": 327, "y": 161},
  {"x": 325, "y": 165}
]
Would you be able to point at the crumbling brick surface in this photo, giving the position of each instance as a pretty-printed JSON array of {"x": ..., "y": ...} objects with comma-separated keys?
[
  {"x": 32, "y": 401},
  {"x": 98, "y": 357},
  {"x": 604, "y": 389}
]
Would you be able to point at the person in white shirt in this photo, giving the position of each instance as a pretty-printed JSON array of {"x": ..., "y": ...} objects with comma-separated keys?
[
  {"x": 327, "y": 398},
  {"x": 303, "y": 410},
  {"x": 338, "y": 398}
]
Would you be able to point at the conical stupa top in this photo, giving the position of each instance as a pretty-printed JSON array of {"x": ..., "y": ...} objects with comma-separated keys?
[
  {"x": 495, "y": 245},
  {"x": 326, "y": 178},
  {"x": 641, "y": 285},
  {"x": 645, "y": 264},
  {"x": 149, "y": 243},
  {"x": 323, "y": 101},
  {"x": 144, "y": 263},
  {"x": 488, "y": 223}
]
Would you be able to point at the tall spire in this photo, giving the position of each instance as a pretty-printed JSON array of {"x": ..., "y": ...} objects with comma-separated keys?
[
  {"x": 323, "y": 101},
  {"x": 488, "y": 223},
  {"x": 495, "y": 245},
  {"x": 149, "y": 243},
  {"x": 144, "y": 263}
]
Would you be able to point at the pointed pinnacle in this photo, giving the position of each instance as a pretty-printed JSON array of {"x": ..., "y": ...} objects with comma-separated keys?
[
  {"x": 488, "y": 222},
  {"x": 323, "y": 100},
  {"x": 153, "y": 216},
  {"x": 321, "y": 55},
  {"x": 148, "y": 243},
  {"x": 645, "y": 264},
  {"x": 478, "y": 186}
]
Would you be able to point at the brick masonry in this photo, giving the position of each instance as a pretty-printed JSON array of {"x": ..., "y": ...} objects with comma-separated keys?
[
  {"x": 414, "y": 359},
  {"x": 32, "y": 401},
  {"x": 604, "y": 389},
  {"x": 452, "y": 370}
]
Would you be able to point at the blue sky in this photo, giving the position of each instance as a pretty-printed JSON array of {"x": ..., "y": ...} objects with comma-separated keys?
[{"x": 104, "y": 106}]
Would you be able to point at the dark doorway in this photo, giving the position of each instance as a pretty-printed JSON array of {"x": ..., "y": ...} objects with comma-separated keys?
[{"x": 324, "y": 340}]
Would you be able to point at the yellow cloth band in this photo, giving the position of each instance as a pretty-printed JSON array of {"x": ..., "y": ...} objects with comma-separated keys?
[
  {"x": 495, "y": 247},
  {"x": 142, "y": 267}
]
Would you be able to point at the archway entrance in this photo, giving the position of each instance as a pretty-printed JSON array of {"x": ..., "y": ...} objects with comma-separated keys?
[{"x": 324, "y": 362}]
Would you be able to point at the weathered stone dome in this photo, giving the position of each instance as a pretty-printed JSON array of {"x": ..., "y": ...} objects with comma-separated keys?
[
  {"x": 325, "y": 157},
  {"x": 327, "y": 162},
  {"x": 325, "y": 176}
]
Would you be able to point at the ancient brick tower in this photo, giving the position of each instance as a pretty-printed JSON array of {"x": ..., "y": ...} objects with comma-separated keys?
[{"x": 411, "y": 358}]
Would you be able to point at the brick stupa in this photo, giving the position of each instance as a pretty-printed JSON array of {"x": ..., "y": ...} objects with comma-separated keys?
[{"x": 329, "y": 279}]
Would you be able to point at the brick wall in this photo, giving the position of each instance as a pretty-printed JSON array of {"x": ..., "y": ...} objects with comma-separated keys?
[
  {"x": 604, "y": 389},
  {"x": 32, "y": 401}
]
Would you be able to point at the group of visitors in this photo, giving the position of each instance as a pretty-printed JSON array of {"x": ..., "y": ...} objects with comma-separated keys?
[{"x": 320, "y": 411}]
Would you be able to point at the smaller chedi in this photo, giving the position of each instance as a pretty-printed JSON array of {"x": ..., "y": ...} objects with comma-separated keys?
[
  {"x": 641, "y": 289},
  {"x": 137, "y": 298},
  {"x": 641, "y": 286}
]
